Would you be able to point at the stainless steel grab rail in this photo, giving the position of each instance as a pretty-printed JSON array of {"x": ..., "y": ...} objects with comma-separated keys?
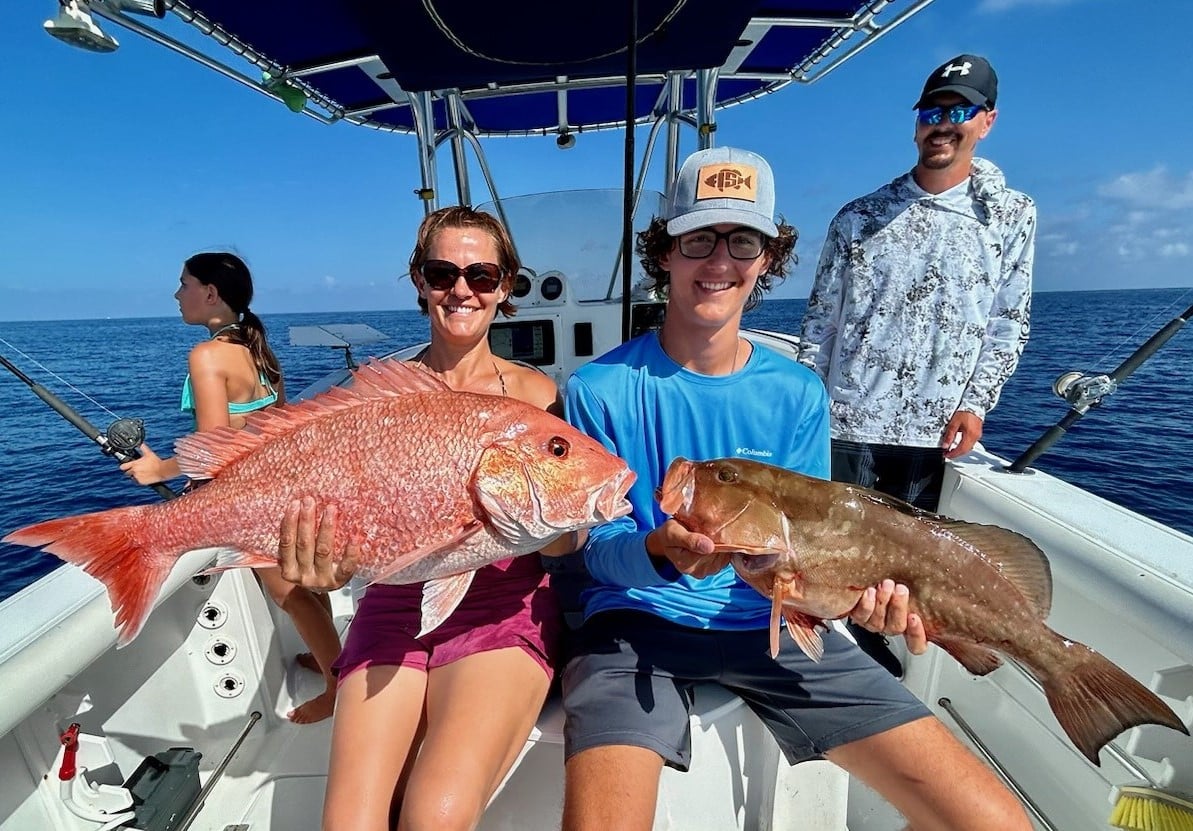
[
  {"x": 1002, "y": 772},
  {"x": 216, "y": 774}
]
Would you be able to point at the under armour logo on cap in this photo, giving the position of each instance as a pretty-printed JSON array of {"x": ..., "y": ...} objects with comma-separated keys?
[{"x": 969, "y": 76}]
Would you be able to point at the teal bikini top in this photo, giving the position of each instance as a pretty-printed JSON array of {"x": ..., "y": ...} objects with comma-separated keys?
[{"x": 187, "y": 405}]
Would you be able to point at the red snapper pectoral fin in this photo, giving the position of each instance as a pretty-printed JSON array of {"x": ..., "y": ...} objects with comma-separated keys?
[
  {"x": 440, "y": 599},
  {"x": 409, "y": 558}
]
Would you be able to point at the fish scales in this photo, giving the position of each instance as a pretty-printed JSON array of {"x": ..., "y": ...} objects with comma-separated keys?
[
  {"x": 397, "y": 488},
  {"x": 813, "y": 547},
  {"x": 430, "y": 482}
]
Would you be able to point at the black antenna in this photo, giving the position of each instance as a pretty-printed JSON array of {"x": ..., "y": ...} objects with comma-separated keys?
[{"x": 627, "y": 215}]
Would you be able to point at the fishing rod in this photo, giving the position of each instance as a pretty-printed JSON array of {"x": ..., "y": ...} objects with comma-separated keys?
[
  {"x": 122, "y": 440},
  {"x": 1083, "y": 392}
]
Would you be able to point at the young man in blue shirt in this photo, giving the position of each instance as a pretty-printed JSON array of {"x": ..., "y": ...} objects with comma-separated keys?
[{"x": 664, "y": 613}]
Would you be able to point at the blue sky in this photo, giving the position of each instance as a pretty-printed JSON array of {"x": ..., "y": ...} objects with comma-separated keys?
[{"x": 117, "y": 167}]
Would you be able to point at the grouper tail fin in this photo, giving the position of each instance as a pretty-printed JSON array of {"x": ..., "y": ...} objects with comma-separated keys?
[{"x": 1096, "y": 700}]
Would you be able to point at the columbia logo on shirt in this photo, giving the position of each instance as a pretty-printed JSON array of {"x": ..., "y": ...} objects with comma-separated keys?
[{"x": 749, "y": 451}]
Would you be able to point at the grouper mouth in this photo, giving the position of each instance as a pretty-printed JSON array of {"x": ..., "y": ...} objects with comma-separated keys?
[
  {"x": 749, "y": 563},
  {"x": 678, "y": 488}
]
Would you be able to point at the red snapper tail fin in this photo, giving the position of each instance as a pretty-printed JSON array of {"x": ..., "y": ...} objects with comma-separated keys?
[
  {"x": 110, "y": 546},
  {"x": 1096, "y": 701}
]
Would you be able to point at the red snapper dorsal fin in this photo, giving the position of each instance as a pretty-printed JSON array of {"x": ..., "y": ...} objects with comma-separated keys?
[
  {"x": 1015, "y": 556},
  {"x": 204, "y": 455}
]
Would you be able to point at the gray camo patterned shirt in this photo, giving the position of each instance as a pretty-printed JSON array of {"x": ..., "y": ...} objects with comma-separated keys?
[{"x": 921, "y": 306}]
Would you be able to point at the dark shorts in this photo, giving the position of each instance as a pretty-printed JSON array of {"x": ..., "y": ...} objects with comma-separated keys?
[
  {"x": 630, "y": 682},
  {"x": 508, "y": 604},
  {"x": 913, "y": 474}
]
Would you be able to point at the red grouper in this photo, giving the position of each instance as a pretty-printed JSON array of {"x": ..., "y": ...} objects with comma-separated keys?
[
  {"x": 813, "y": 547},
  {"x": 432, "y": 483}
]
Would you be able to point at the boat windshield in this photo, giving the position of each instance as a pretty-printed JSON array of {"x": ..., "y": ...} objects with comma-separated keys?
[{"x": 576, "y": 233}]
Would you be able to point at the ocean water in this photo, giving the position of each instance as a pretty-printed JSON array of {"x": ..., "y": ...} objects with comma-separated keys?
[{"x": 1134, "y": 450}]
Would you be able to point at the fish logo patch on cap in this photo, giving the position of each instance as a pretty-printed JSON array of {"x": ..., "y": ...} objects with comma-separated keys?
[{"x": 735, "y": 181}]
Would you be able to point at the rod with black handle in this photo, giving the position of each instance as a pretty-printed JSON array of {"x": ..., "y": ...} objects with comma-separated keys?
[
  {"x": 120, "y": 453},
  {"x": 1053, "y": 434}
]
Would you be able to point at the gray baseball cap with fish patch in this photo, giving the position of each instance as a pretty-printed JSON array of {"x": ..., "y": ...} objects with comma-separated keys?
[{"x": 722, "y": 185}]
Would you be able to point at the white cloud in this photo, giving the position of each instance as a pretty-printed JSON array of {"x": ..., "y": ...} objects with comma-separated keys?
[
  {"x": 1151, "y": 190},
  {"x": 329, "y": 281},
  {"x": 1057, "y": 245},
  {"x": 1142, "y": 219}
]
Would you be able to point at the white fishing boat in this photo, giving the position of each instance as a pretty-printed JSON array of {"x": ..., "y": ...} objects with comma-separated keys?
[{"x": 185, "y": 728}]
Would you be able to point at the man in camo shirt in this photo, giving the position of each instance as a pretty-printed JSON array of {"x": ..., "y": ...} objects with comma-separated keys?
[{"x": 920, "y": 306}]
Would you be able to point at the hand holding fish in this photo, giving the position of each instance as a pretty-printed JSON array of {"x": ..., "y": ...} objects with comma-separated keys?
[
  {"x": 432, "y": 483},
  {"x": 305, "y": 548},
  {"x": 885, "y": 609},
  {"x": 690, "y": 553},
  {"x": 817, "y": 549}
]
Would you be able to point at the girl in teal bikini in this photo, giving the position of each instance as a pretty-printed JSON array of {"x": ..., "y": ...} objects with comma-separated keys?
[{"x": 232, "y": 373}]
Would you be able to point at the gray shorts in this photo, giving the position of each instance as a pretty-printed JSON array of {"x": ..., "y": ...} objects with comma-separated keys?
[{"x": 630, "y": 680}]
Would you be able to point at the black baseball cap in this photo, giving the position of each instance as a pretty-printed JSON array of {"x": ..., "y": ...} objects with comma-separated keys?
[{"x": 970, "y": 76}]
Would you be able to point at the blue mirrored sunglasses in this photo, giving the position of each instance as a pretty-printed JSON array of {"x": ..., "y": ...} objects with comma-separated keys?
[{"x": 956, "y": 114}]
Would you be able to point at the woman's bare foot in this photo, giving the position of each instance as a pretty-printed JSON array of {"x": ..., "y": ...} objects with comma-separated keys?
[
  {"x": 307, "y": 661},
  {"x": 317, "y": 709}
]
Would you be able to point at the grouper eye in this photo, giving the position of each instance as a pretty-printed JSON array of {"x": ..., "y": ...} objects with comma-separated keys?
[
  {"x": 559, "y": 447},
  {"x": 726, "y": 474}
]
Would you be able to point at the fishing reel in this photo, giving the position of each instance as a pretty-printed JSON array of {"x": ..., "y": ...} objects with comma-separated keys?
[
  {"x": 1083, "y": 391},
  {"x": 125, "y": 437}
]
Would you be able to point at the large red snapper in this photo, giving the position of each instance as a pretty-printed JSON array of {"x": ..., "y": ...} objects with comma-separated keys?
[
  {"x": 813, "y": 547},
  {"x": 431, "y": 483}
]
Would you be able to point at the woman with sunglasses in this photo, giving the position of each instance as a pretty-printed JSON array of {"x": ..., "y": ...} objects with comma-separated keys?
[
  {"x": 426, "y": 727},
  {"x": 231, "y": 374}
]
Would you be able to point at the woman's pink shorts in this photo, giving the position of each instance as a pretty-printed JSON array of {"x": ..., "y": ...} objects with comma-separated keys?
[{"x": 508, "y": 604}]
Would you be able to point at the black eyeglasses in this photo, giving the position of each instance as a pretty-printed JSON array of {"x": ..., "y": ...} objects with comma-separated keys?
[
  {"x": 482, "y": 278},
  {"x": 956, "y": 114},
  {"x": 742, "y": 243}
]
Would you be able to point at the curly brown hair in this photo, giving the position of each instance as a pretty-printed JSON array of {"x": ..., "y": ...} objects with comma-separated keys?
[
  {"x": 461, "y": 216},
  {"x": 654, "y": 243}
]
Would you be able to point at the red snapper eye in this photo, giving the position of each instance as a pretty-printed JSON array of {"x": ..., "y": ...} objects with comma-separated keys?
[{"x": 559, "y": 447}]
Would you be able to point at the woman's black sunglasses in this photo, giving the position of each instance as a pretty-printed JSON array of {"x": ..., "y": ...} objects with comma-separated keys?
[{"x": 482, "y": 278}]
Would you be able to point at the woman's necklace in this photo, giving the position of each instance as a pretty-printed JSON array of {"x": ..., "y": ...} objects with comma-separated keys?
[
  {"x": 421, "y": 358},
  {"x": 223, "y": 329},
  {"x": 501, "y": 379}
]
